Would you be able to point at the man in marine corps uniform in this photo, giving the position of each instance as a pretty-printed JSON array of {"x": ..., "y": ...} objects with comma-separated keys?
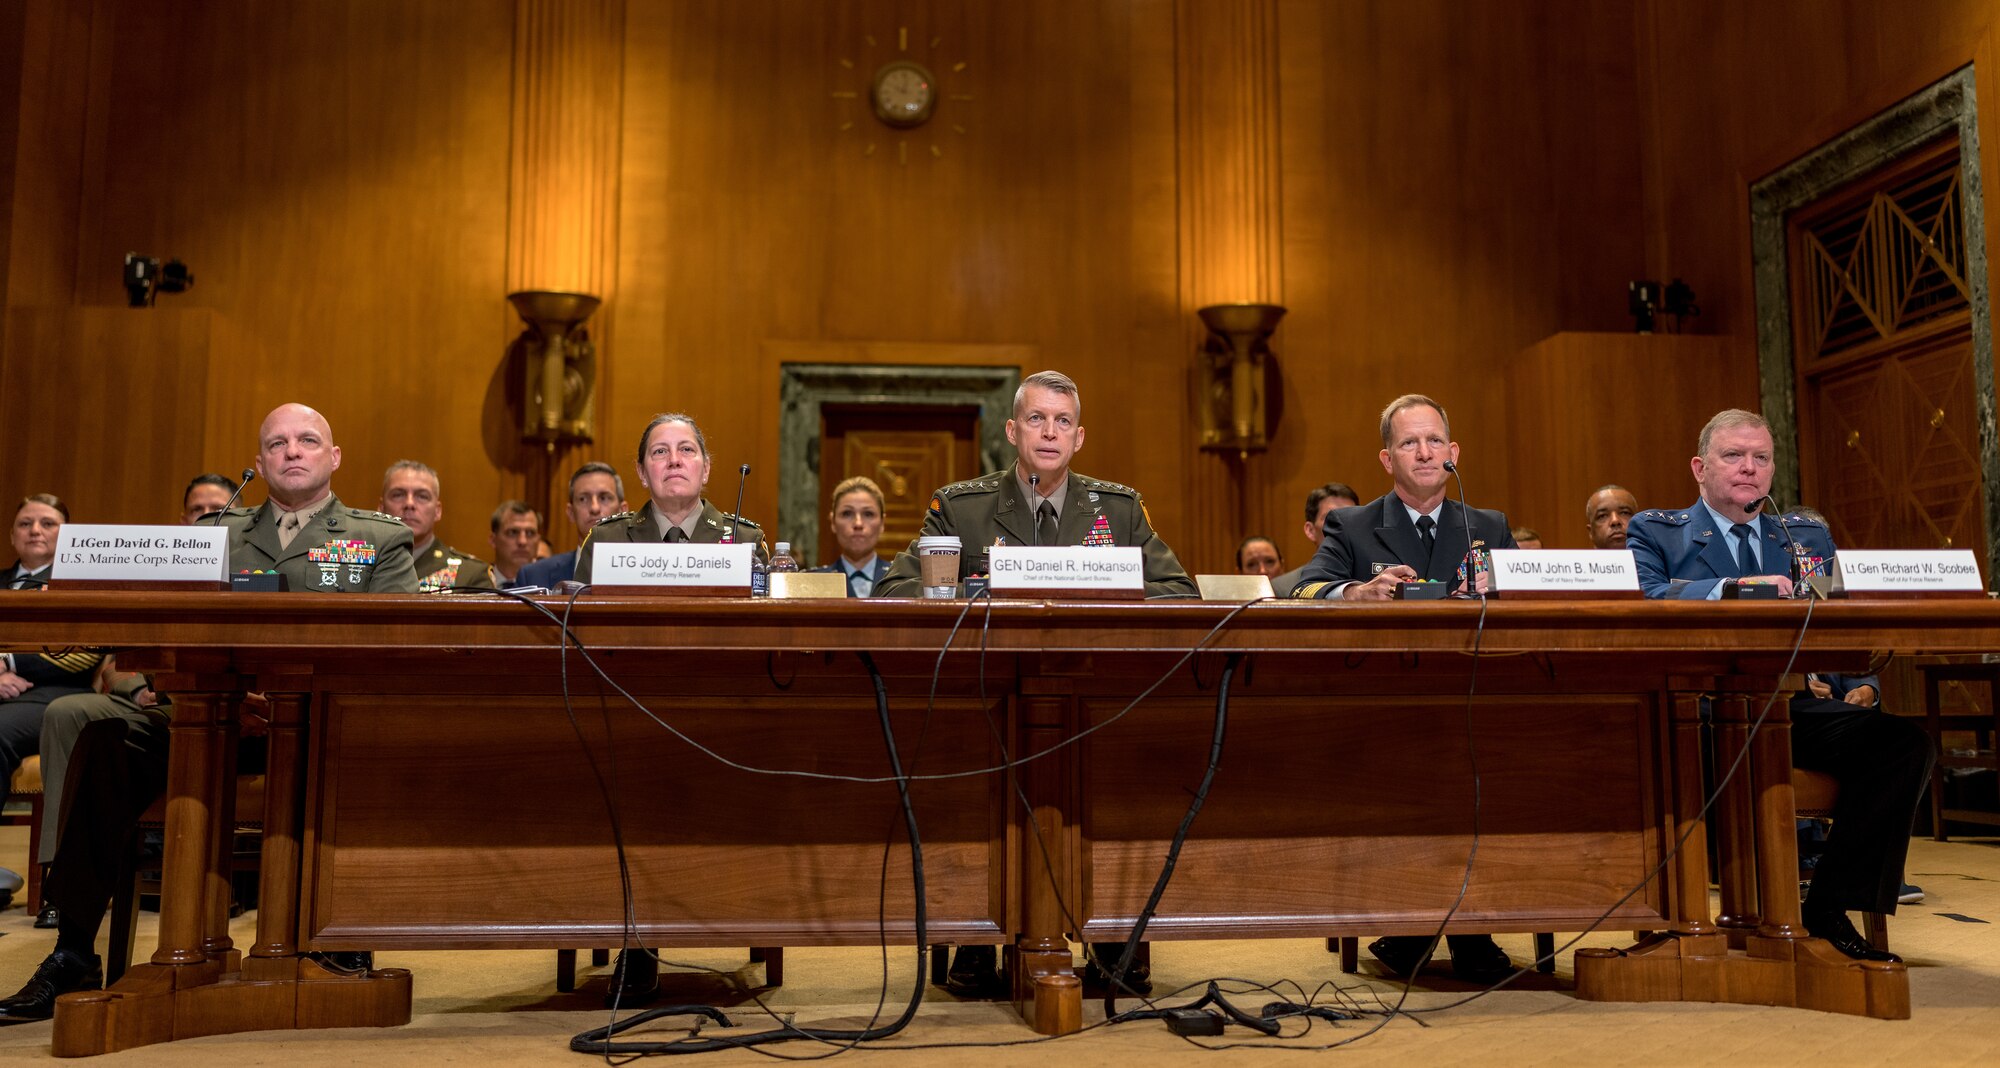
[
  {"x": 674, "y": 466},
  {"x": 119, "y": 765},
  {"x": 412, "y": 493},
  {"x": 303, "y": 532},
  {"x": 1038, "y": 500}
]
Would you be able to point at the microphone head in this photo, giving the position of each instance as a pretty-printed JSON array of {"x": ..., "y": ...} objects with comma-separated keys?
[
  {"x": 1034, "y": 480},
  {"x": 1451, "y": 467},
  {"x": 744, "y": 470},
  {"x": 249, "y": 475}
]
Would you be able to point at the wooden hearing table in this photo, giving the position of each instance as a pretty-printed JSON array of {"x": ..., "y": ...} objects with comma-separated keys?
[{"x": 429, "y": 790}]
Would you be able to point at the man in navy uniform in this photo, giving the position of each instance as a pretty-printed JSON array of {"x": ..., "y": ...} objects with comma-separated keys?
[
  {"x": 1882, "y": 762},
  {"x": 1412, "y": 532}
]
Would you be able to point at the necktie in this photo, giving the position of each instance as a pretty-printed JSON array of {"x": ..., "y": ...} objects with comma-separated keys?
[
  {"x": 859, "y": 584},
  {"x": 1426, "y": 529},
  {"x": 676, "y": 535},
  {"x": 1045, "y": 524},
  {"x": 288, "y": 529},
  {"x": 1746, "y": 556}
]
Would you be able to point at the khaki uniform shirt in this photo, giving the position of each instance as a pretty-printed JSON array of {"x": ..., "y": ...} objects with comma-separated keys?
[
  {"x": 990, "y": 510},
  {"x": 342, "y": 550},
  {"x": 712, "y": 526}
]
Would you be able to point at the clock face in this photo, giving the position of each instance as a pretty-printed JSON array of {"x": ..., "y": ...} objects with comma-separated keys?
[{"x": 904, "y": 94}]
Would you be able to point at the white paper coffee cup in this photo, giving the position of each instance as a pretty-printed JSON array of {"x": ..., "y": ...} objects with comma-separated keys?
[{"x": 937, "y": 557}]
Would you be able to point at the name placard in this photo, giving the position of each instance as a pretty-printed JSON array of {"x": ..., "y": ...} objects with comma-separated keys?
[
  {"x": 1032, "y": 568},
  {"x": 1909, "y": 571},
  {"x": 1565, "y": 573},
  {"x": 680, "y": 564},
  {"x": 106, "y": 552}
]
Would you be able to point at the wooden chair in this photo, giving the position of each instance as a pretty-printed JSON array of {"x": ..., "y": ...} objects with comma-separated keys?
[
  {"x": 1813, "y": 796},
  {"x": 26, "y": 788}
]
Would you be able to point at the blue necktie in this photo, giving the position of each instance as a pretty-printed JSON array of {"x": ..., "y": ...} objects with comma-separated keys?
[
  {"x": 1746, "y": 557},
  {"x": 859, "y": 584}
]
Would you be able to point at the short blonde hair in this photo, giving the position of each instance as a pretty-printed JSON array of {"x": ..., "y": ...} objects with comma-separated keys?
[
  {"x": 1405, "y": 403},
  {"x": 858, "y": 484},
  {"x": 1728, "y": 419}
]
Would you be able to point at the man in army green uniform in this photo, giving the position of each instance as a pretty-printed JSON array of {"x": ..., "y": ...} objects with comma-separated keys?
[
  {"x": 411, "y": 492},
  {"x": 1038, "y": 500},
  {"x": 674, "y": 466},
  {"x": 303, "y": 531}
]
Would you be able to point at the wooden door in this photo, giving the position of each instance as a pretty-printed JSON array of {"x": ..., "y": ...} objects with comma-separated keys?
[
  {"x": 1888, "y": 420},
  {"x": 909, "y": 450}
]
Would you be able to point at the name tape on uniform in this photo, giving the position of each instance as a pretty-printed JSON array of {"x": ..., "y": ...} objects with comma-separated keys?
[
  {"x": 128, "y": 553},
  {"x": 1565, "y": 571},
  {"x": 1909, "y": 571},
  {"x": 677, "y": 564},
  {"x": 1066, "y": 567}
]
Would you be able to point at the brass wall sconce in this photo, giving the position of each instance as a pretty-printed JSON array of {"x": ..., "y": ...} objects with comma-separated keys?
[
  {"x": 560, "y": 365},
  {"x": 1239, "y": 377}
]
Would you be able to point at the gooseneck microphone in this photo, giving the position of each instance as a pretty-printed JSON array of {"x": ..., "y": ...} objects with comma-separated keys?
[
  {"x": 1471, "y": 578},
  {"x": 1800, "y": 587},
  {"x": 249, "y": 474},
  {"x": 742, "y": 478}
]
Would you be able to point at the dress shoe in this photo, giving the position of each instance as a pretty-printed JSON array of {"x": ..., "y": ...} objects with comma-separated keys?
[
  {"x": 1910, "y": 894},
  {"x": 1103, "y": 958},
  {"x": 351, "y": 961},
  {"x": 60, "y": 973},
  {"x": 1476, "y": 959},
  {"x": 635, "y": 980},
  {"x": 1403, "y": 954},
  {"x": 47, "y": 918},
  {"x": 975, "y": 973},
  {"x": 1839, "y": 932}
]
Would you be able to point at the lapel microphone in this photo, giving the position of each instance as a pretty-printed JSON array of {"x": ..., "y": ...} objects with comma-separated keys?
[{"x": 249, "y": 473}]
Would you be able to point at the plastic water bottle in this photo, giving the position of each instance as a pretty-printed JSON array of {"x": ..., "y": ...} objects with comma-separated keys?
[
  {"x": 760, "y": 581},
  {"x": 782, "y": 560}
]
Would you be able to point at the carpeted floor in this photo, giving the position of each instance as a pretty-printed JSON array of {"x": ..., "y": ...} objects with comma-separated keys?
[{"x": 496, "y": 1009}]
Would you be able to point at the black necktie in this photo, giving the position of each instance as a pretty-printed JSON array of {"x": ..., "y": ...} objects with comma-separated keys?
[
  {"x": 1045, "y": 524},
  {"x": 1746, "y": 557},
  {"x": 676, "y": 534},
  {"x": 1425, "y": 530}
]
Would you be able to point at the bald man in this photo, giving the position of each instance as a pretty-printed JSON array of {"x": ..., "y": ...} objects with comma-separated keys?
[
  {"x": 119, "y": 764},
  {"x": 303, "y": 531}
]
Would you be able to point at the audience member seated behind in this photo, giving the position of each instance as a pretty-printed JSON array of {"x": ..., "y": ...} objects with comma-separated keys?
[
  {"x": 517, "y": 530},
  {"x": 856, "y": 522},
  {"x": 30, "y": 679},
  {"x": 595, "y": 491},
  {"x": 412, "y": 492},
  {"x": 1881, "y": 762},
  {"x": 1608, "y": 511},
  {"x": 1319, "y": 502},
  {"x": 119, "y": 765},
  {"x": 1526, "y": 538},
  {"x": 1259, "y": 555}
]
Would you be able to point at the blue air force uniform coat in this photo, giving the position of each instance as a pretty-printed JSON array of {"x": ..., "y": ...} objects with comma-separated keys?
[
  {"x": 1683, "y": 554},
  {"x": 1361, "y": 542},
  {"x": 1882, "y": 762}
]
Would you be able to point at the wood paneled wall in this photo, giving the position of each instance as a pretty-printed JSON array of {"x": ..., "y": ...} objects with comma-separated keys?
[{"x": 1434, "y": 188}]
